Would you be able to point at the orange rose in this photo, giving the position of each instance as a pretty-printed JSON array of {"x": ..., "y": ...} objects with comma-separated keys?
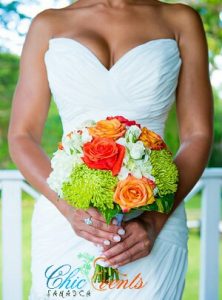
[
  {"x": 133, "y": 192},
  {"x": 108, "y": 128},
  {"x": 151, "y": 139},
  {"x": 103, "y": 153}
]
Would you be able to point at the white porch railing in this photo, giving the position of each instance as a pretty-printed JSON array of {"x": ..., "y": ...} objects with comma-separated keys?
[{"x": 12, "y": 184}]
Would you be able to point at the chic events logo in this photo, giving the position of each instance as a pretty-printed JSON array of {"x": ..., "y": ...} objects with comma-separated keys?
[{"x": 65, "y": 280}]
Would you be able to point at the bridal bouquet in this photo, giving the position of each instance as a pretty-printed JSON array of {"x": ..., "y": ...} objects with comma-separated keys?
[{"x": 116, "y": 166}]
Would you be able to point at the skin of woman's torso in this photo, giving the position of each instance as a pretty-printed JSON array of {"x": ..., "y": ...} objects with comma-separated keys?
[{"x": 111, "y": 28}]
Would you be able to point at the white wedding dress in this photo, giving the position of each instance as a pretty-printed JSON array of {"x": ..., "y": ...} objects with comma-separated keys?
[{"x": 140, "y": 86}]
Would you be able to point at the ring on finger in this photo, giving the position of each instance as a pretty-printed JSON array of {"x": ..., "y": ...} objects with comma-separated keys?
[{"x": 88, "y": 221}]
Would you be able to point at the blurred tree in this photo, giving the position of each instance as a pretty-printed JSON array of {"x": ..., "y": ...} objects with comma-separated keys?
[
  {"x": 10, "y": 11},
  {"x": 8, "y": 78}
]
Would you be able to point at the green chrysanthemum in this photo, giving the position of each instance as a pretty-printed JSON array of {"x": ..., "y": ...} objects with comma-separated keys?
[
  {"x": 90, "y": 187},
  {"x": 165, "y": 172}
]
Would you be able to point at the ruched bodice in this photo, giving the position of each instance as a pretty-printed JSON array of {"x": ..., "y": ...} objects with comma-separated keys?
[{"x": 140, "y": 85}]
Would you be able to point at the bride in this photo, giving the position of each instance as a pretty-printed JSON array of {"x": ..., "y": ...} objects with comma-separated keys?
[{"x": 99, "y": 58}]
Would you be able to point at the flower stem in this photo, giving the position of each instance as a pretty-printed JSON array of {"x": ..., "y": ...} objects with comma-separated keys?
[{"x": 105, "y": 274}]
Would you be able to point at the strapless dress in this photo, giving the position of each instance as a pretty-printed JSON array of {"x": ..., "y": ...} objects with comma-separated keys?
[{"x": 140, "y": 86}]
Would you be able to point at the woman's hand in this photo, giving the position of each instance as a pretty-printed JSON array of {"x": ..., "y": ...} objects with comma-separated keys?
[
  {"x": 136, "y": 243},
  {"x": 99, "y": 232},
  {"x": 139, "y": 239}
]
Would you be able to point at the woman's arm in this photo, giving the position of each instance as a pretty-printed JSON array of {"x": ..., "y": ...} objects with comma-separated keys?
[
  {"x": 30, "y": 107},
  {"x": 194, "y": 102},
  {"x": 29, "y": 112}
]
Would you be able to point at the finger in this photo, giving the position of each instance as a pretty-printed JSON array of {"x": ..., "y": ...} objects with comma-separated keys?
[
  {"x": 120, "y": 247},
  {"x": 106, "y": 236},
  {"x": 107, "y": 247},
  {"x": 133, "y": 258},
  {"x": 104, "y": 247},
  {"x": 128, "y": 255},
  {"x": 123, "y": 237},
  {"x": 92, "y": 238},
  {"x": 105, "y": 227},
  {"x": 96, "y": 214},
  {"x": 80, "y": 215},
  {"x": 99, "y": 229},
  {"x": 98, "y": 222}
]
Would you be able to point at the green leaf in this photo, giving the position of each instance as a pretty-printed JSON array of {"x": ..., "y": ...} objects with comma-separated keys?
[
  {"x": 111, "y": 213},
  {"x": 162, "y": 204}
]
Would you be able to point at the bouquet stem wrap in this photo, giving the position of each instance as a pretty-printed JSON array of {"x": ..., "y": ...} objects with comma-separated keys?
[{"x": 102, "y": 273}]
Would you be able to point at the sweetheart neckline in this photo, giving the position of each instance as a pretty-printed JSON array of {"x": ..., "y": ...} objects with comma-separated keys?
[{"x": 122, "y": 57}]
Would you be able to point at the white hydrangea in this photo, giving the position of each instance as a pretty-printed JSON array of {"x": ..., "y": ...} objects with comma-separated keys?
[{"x": 62, "y": 164}]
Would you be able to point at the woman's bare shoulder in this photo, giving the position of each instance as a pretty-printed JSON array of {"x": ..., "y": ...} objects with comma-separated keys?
[
  {"x": 48, "y": 18},
  {"x": 184, "y": 18},
  {"x": 180, "y": 8}
]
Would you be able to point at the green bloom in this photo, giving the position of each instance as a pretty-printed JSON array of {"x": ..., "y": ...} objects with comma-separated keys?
[
  {"x": 90, "y": 187},
  {"x": 165, "y": 171}
]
